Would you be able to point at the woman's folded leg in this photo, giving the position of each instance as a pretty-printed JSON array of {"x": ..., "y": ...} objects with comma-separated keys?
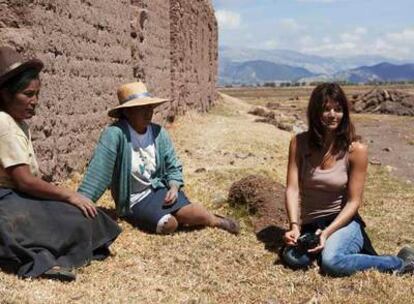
[
  {"x": 341, "y": 255},
  {"x": 152, "y": 215}
]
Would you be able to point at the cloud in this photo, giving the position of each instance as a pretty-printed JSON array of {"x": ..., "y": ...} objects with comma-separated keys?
[
  {"x": 397, "y": 45},
  {"x": 306, "y": 40},
  {"x": 355, "y": 36},
  {"x": 386, "y": 48},
  {"x": 405, "y": 37},
  {"x": 361, "y": 30},
  {"x": 323, "y": 32},
  {"x": 221, "y": 2},
  {"x": 271, "y": 44},
  {"x": 345, "y": 44},
  {"x": 289, "y": 24},
  {"x": 228, "y": 19},
  {"x": 326, "y": 40},
  {"x": 234, "y": 5}
]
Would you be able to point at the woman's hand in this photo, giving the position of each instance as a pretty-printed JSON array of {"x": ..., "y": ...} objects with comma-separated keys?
[
  {"x": 83, "y": 203},
  {"x": 291, "y": 236},
  {"x": 322, "y": 240},
  {"x": 171, "y": 196}
]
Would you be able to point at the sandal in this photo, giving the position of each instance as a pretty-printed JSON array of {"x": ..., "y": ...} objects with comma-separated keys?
[
  {"x": 60, "y": 274},
  {"x": 228, "y": 224}
]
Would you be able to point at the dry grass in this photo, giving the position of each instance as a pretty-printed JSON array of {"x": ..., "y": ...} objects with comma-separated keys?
[{"x": 211, "y": 266}]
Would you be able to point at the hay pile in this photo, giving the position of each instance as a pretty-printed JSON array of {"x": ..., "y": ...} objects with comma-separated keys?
[{"x": 384, "y": 101}]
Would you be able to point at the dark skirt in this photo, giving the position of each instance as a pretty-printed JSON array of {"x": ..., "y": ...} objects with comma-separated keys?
[
  {"x": 37, "y": 234},
  {"x": 147, "y": 213}
]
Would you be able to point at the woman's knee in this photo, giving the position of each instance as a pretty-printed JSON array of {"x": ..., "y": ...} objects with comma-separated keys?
[{"x": 167, "y": 226}]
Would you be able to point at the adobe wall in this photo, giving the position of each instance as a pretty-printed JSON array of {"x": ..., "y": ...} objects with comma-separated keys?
[
  {"x": 194, "y": 39},
  {"x": 91, "y": 47},
  {"x": 151, "y": 49}
]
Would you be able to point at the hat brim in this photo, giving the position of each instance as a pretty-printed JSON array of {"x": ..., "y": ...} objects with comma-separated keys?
[
  {"x": 30, "y": 64},
  {"x": 139, "y": 102}
]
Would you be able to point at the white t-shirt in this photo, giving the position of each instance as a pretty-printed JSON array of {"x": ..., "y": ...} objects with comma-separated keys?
[
  {"x": 142, "y": 164},
  {"x": 15, "y": 148}
]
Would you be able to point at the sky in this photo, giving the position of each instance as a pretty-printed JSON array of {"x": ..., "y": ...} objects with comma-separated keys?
[{"x": 337, "y": 28}]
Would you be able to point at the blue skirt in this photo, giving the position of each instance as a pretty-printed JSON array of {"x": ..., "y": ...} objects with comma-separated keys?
[{"x": 150, "y": 213}]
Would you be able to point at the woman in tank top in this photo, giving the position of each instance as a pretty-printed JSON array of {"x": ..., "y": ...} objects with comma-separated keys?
[{"x": 325, "y": 180}]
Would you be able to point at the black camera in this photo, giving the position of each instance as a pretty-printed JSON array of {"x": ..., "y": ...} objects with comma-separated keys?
[{"x": 308, "y": 240}]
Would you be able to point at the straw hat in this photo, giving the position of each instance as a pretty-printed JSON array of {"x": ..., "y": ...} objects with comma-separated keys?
[
  {"x": 133, "y": 94},
  {"x": 12, "y": 63}
]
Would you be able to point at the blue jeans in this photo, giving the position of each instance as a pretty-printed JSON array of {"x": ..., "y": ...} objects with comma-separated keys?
[{"x": 342, "y": 255}]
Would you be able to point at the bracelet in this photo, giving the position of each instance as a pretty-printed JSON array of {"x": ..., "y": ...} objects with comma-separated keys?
[{"x": 294, "y": 223}]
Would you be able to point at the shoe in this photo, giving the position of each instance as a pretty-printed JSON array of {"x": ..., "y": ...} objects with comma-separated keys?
[
  {"x": 60, "y": 274},
  {"x": 407, "y": 255},
  {"x": 229, "y": 224},
  {"x": 407, "y": 268}
]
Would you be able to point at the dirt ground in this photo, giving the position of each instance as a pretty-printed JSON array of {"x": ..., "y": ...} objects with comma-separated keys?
[
  {"x": 390, "y": 138},
  {"x": 391, "y": 142}
]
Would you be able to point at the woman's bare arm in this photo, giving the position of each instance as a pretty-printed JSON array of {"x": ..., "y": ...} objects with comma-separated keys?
[
  {"x": 26, "y": 182},
  {"x": 292, "y": 195}
]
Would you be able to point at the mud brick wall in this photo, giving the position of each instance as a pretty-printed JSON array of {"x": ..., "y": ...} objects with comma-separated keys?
[
  {"x": 151, "y": 52},
  {"x": 90, "y": 47},
  {"x": 193, "y": 54},
  {"x": 86, "y": 51}
]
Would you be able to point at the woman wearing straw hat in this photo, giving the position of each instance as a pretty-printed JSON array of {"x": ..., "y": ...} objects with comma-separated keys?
[
  {"x": 136, "y": 159},
  {"x": 45, "y": 230}
]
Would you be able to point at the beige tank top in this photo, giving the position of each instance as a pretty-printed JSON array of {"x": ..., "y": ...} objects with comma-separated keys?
[{"x": 323, "y": 192}]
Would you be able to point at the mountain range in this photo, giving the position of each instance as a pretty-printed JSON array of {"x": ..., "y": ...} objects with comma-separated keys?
[
  {"x": 260, "y": 71},
  {"x": 380, "y": 72},
  {"x": 252, "y": 66}
]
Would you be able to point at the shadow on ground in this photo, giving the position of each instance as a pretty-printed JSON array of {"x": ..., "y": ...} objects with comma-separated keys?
[{"x": 272, "y": 238}]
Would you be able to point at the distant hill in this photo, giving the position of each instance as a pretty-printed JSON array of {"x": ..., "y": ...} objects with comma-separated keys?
[
  {"x": 259, "y": 71},
  {"x": 252, "y": 66},
  {"x": 313, "y": 63},
  {"x": 380, "y": 72}
]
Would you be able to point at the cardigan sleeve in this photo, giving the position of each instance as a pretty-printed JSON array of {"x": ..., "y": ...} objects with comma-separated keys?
[
  {"x": 173, "y": 166},
  {"x": 98, "y": 176}
]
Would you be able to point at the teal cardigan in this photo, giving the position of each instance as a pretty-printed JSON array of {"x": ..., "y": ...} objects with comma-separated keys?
[{"x": 110, "y": 165}]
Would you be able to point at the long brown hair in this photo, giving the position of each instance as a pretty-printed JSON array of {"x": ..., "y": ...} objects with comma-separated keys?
[{"x": 344, "y": 133}]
